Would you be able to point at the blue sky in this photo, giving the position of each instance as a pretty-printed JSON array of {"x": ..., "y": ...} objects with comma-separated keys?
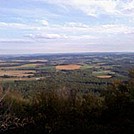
[{"x": 58, "y": 26}]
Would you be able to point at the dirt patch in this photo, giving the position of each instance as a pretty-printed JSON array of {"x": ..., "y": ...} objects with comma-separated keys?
[{"x": 68, "y": 67}]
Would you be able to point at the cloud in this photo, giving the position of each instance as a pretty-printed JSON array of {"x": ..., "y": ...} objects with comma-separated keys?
[
  {"x": 58, "y": 24},
  {"x": 75, "y": 32},
  {"x": 14, "y": 41},
  {"x": 73, "y": 28},
  {"x": 115, "y": 29},
  {"x": 37, "y": 25},
  {"x": 46, "y": 36},
  {"x": 53, "y": 31},
  {"x": 8, "y": 25},
  {"x": 43, "y": 22},
  {"x": 98, "y": 7},
  {"x": 74, "y": 24},
  {"x": 91, "y": 7}
]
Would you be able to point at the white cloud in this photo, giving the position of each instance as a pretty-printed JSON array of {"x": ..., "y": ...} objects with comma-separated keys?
[
  {"x": 79, "y": 31},
  {"x": 115, "y": 29},
  {"x": 5, "y": 25},
  {"x": 14, "y": 40},
  {"x": 24, "y": 26},
  {"x": 91, "y": 7},
  {"x": 74, "y": 24},
  {"x": 68, "y": 30},
  {"x": 97, "y": 7},
  {"x": 43, "y": 22},
  {"x": 46, "y": 36}
]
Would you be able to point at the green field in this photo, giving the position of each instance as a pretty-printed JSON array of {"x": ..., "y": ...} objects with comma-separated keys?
[{"x": 86, "y": 66}]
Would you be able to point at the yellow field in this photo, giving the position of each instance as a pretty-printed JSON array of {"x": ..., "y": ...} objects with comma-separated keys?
[
  {"x": 104, "y": 76},
  {"x": 68, "y": 67},
  {"x": 17, "y": 73},
  {"x": 27, "y": 65}
]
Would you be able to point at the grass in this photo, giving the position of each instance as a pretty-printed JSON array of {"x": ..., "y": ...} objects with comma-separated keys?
[
  {"x": 46, "y": 68},
  {"x": 24, "y": 66},
  {"x": 86, "y": 66},
  {"x": 28, "y": 65},
  {"x": 103, "y": 74}
]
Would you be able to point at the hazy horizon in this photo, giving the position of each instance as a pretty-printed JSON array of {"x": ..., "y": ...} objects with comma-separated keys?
[{"x": 66, "y": 26}]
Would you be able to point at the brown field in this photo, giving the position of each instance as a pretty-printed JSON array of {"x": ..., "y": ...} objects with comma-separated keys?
[
  {"x": 68, "y": 67},
  {"x": 16, "y": 73},
  {"x": 104, "y": 76}
]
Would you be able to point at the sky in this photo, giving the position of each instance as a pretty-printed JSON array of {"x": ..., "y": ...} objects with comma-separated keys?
[{"x": 66, "y": 26}]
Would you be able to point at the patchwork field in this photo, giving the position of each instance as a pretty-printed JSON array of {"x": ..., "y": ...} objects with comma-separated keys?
[{"x": 68, "y": 67}]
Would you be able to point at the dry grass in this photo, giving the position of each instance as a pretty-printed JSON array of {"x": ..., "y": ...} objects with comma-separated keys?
[
  {"x": 104, "y": 76},
  {"x": 68, "y": 67},
  {"x": 17, "y": 73}
]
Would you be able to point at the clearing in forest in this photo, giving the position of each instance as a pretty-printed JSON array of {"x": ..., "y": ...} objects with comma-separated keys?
[
  {"x": 104, "y": 76},
  {"x": 68, "y": 67}
]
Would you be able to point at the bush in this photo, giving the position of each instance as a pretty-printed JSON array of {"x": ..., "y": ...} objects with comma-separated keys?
[{"x": 67, "y": 111}]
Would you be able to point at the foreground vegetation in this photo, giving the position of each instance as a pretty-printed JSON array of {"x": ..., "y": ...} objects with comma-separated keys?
[{"x": 67, "y": 111}]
